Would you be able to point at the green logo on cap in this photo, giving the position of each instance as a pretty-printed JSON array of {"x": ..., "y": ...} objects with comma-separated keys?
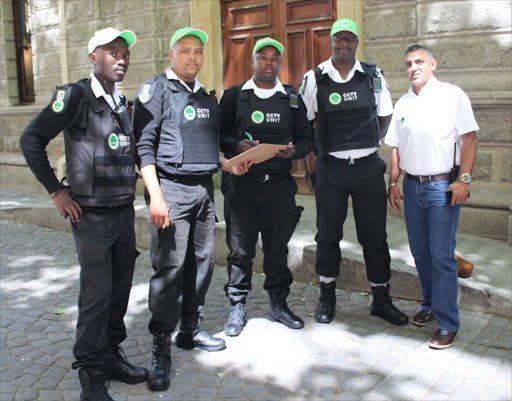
[
  {"x": 257, "y": 117},
  {"x": 57, "y": 106},
  {"x": 335, "y": 98},
  {"x": 189, "y": 113},
  {"x": 113, "y": 141}
]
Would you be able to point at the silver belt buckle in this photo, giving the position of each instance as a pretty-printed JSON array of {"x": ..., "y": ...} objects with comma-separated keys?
[{"x": 423, "y": 178}]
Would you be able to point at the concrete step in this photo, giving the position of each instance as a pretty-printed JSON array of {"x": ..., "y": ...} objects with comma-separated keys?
[{"x": 488, "y": 290}]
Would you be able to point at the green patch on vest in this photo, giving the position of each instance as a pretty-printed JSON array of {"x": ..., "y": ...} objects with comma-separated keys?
[
  {"x": 113, "y": 141},
  {"x": 335, "y": 98},
  {"x": 257, "y": 117},
  {"x": 189, "y": 113}
]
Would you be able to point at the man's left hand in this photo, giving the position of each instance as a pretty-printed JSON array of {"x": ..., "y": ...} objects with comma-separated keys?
[
  {"x": 241, "y": 168},
  {"x": 286, "y": 153},
  {"x": 460, "y": 192}
]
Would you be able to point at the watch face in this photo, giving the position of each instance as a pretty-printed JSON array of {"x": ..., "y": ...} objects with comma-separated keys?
[{"x": 465, "y": 178}]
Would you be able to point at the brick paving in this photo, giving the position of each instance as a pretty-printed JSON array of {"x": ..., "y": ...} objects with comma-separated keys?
[{"x": 356, "y": 357}]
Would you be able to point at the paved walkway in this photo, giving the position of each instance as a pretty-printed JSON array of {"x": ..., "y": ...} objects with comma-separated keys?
[
  {"x": 489, "y": 289},
  {"x": 357, "y": 357}
]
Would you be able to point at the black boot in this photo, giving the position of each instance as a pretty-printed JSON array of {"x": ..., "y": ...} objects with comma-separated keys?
[
  {"x": 93, "y": 385},
  {"x": 191, "y": 335},
  {"x": 326, "y": 303},
  {"x": 117, "y": 367},
  {"x": 236, "y": 321},
  {"x": 383, "y": 307},
  {"x": 279, "y": 311},
  {"x": 158, "y": 379}
]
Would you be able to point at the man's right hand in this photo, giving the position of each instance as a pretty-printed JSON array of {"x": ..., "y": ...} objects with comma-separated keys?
[
  {"x": 67, "y": 206},
  {"x": 394, "y": 196},
  {"x": 159, "y": 213},
  {"x": 245, "y": 144}
]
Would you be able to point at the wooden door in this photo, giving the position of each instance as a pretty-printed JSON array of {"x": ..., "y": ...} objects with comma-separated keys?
[{"x": 302, "y": 26}]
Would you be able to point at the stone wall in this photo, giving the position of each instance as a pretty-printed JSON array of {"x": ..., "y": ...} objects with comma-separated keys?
[
  {"x": 472, "y": 42},
  {"x": 153, "y": 21},
  {"x": 8, "y": 73},
  {"x": 61, "y": 31}
]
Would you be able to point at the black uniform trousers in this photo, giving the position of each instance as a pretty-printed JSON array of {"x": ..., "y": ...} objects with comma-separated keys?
[
  {"x": 251, "y": 207},
  {"x": 335, "y": 180},
  {"x": 105, "y": 245},
  {"x": 182, "y": 254}
]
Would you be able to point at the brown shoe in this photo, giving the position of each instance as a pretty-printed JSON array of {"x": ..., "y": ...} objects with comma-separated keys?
[
  {"x": 443, "y": 339},
  {"x": 423, "y": 317}
]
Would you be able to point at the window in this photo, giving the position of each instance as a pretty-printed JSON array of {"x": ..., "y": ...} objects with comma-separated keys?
[{"x": 22, "y": 31}]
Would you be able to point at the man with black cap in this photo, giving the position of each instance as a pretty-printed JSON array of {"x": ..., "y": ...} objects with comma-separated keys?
[
  {"x": 262, "y": 110},
  {"x": 100, "y": 162},
  {"x": 176, "y": 123},
  {"x": 350, "y": 103}
]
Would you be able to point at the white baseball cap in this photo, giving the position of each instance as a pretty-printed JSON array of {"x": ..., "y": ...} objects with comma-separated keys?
[{"x": 108, "y": 35}]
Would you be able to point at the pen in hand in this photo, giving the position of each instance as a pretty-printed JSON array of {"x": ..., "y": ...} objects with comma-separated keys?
[{"x": 246, "y": 144}]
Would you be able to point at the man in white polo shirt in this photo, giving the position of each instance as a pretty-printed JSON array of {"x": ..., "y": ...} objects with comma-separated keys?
[{"x": 432, "y": 125}]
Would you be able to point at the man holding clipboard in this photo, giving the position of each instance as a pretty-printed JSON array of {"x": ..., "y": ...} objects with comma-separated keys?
[{"x": 262, "y": 111}]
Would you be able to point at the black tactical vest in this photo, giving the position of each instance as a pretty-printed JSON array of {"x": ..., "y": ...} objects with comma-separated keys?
[
  {"x": 100, "y": 158},
  {"x": 267, "y": 120},
  {"x": 189, "y": 137},
  {"x": 347, "y": 114}
]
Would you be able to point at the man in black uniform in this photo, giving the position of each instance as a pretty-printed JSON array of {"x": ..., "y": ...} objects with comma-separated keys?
[
  {"x": 351, "y": 105},
  {"x": 262, "y": 110},
  {"x": 176, "y": 123},
  {"x": 100, "y": 161}
]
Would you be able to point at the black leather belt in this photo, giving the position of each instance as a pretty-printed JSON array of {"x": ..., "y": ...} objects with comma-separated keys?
[
  {"x": 428, "y": 178},
  {"x": 263, "y": 178},
  {"x": 186, "y": 179},
  {"x": 97, "y": 208},
  {"x": 352, "y": 162}
]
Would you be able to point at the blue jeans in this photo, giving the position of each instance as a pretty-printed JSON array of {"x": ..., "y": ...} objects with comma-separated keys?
[{"x": 432, "y": 225}]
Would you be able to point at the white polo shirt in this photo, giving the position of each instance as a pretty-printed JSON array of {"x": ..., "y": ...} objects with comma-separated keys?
[
  {"x": 172, "y": 75},
  {"x": 382, "y": 100},
  {"x": 264, "y": 93},
  {"x": 425, "y": 127},
  {"x": 98, "y": 91}
]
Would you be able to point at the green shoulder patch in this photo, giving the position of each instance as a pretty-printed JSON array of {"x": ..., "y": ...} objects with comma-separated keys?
[
  {"x": 60, "y": 99},
  {"x": 146, "y": 91}
]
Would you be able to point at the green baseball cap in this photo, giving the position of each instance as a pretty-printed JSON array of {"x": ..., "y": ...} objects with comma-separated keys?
[
  {"x": 108, "y": 35},
  {"x": 344, "y": 24},
  {"x": 180, "y": 33},
  {"x": 268, "y": 42}
]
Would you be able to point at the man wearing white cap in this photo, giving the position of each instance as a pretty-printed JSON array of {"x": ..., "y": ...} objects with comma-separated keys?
[
  {"x": 262, "y": 110},
  {"x": 176, "y": 123},
  {"x": 100, "y": 162},
  {"x": 351, "y": 105}
]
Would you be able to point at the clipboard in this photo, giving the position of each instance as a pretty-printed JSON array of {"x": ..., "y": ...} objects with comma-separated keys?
[{"x": 259, "y": 153}]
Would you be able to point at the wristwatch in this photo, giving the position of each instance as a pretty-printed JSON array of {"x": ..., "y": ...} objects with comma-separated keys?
[{"x": 465, "y": 178}]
